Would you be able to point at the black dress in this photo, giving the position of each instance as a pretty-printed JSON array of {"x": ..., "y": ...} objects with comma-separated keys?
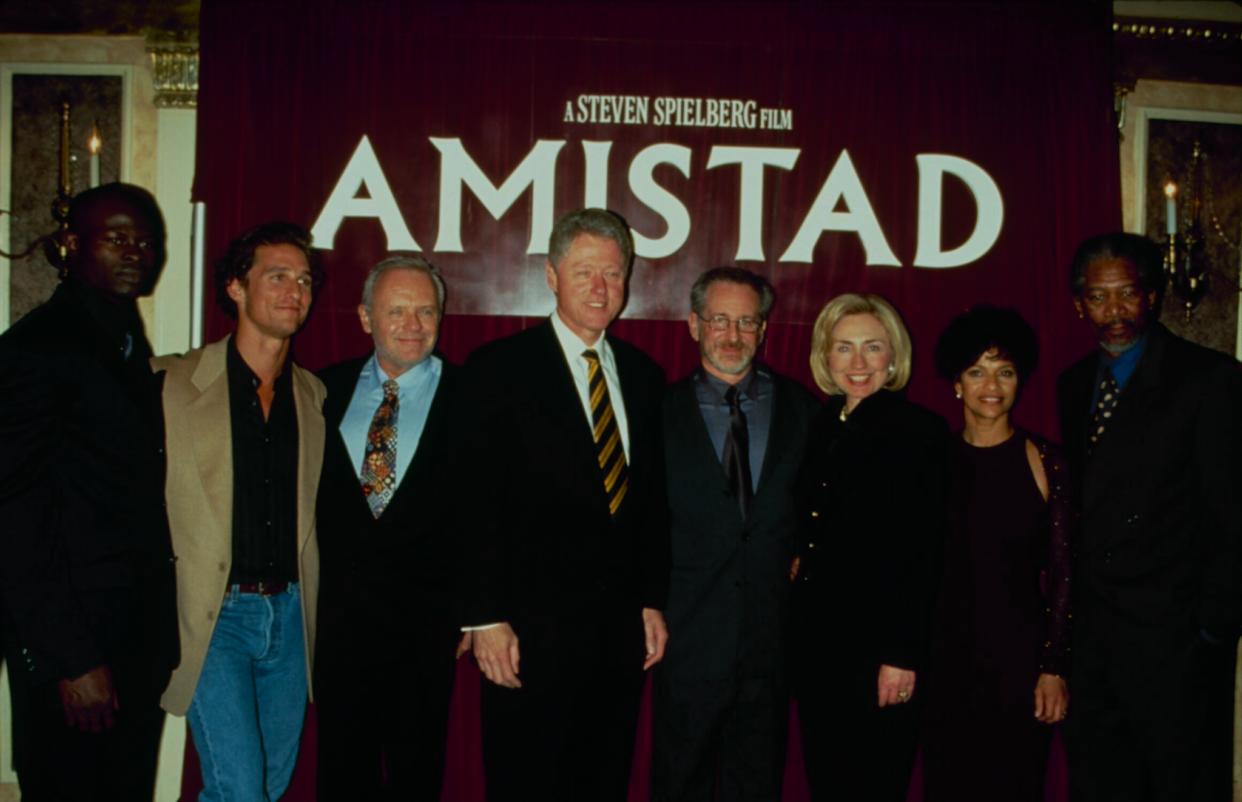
[
  {"x": 872, "y": 497},
  {"x": 1002, "y": 620}
]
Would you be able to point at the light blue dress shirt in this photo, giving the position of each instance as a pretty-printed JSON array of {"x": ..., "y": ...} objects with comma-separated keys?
[{"x": 415, "y": 389}]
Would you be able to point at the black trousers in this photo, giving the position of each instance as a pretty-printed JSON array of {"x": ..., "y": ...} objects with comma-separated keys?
[
  {"x": 567, "y": 735},
  {"x": 848, "y": 742},
  {"x": 382, "y": 733},
  {"x": 1150, "y": 724},
  {"x": 57, "y": 763},
  {"x": 718, "y": 738}
]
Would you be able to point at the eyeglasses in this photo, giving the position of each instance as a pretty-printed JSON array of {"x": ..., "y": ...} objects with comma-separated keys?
[{"x": 746, "y": 325}]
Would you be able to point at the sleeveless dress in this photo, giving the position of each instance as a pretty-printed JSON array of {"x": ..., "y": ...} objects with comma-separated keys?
[{"x": 1002, "y": 620}]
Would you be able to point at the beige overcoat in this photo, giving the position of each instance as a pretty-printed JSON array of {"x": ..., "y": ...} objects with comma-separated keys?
[{"x": 199, "y": 493}]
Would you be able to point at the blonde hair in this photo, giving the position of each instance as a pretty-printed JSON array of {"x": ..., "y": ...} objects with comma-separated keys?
[{"x": 859, "y": 304}]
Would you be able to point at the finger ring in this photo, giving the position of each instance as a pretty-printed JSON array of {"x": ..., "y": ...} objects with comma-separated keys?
[{"x": 903, "y": 694}]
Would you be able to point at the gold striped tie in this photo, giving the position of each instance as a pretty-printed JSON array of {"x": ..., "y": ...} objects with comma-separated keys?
[{"x": 607, "y": 435}]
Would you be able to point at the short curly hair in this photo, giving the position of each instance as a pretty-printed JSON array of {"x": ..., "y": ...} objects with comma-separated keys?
[
  {"x": 239, "y": 258},
  {"x": 982, "y": 329}
]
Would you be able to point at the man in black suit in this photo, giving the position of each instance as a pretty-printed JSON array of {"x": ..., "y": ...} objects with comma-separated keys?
[
  {"x": 389, "y": 546},
  {"x": 85, "y": 559},
  {"x": 570, "y": 570},
  {"x": 733, "y": 438},
  {"x": 1152, "y": 425}
]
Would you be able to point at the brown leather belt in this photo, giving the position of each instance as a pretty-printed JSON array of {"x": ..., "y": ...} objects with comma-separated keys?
[{"x": 262, "y": 588}]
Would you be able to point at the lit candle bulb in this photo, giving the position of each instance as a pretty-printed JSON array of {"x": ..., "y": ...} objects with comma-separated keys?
[
  {"x": 94, "y": 146},
  {"x": 1170, "y": 208}
]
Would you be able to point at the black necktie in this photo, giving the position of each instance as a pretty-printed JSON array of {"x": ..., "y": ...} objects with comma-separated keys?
[
  {"x": 736, "y": 456},
  {"x": 1105, "y": 405}
]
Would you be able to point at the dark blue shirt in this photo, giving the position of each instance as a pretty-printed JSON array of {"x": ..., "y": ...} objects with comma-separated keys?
[
  {"x": 755, "y": 392},
  {"x": 1122, "y": 365}
]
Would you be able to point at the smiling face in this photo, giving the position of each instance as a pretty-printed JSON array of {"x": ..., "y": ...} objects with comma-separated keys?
[
  {"x": 728, "y": 354},
  {"x": 275, "y": 296},
  {"x": 116, "y": 250},
  {"x": 589, "y": 285},
  {"x": 1115, "y": 303},
  {"x": 404, "y": 319},
  {"x": 859, "y": 356},
  {"x": 988, "y": 388}
]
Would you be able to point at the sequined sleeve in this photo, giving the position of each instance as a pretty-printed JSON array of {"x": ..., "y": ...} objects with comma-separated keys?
[{"x": 1061, "y": 523}]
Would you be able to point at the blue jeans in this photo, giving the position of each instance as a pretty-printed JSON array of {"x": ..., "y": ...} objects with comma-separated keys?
[{"x": 247, "y": 712}]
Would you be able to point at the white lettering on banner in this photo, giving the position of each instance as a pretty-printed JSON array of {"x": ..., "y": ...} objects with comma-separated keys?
[
  {"x": 363, "y": 169},
  {"x": 989, "y": 211},
  {"x": 675, "y": 112},
  {"x": 537, "y": 172},
  {"x": 659, "y": 199},
  {"x": 609, "y": 110},
  {"x": 595, "y": 158},
  {"x": 750, "y": 197},
  {"x": 842, "y": 184}
]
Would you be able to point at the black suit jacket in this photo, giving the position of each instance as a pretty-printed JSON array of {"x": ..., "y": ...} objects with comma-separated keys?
[
  {"x": 85, "y": 556},
  {"x": 1160, "y": 549},
  {"x": 872, "y": 491},
  {"x": 390, "y": 584},
  {"x": 729, "y": 588},
  {"x": 546, "y": 549}
]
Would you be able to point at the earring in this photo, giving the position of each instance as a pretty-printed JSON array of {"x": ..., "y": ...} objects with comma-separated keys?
[
  {"x": 892, "y": 368},
  {"x": 958, "y": 395}
]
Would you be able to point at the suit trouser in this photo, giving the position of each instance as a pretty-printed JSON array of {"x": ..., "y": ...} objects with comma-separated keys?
[
  {"x": 567, "y": 735},
  {"x": 1150, "y": 724},
  {"x": 383, "y": 732},
  {"x": 718, "y": 739}
]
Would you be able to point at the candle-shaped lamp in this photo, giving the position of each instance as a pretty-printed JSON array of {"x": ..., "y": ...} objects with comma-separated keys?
[
  {"x": 1170, "y": 208},
  {"x": 94, "y": 145}
]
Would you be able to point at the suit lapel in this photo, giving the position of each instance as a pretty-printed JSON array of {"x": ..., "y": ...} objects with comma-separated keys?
[
  {"x": 340, "y": 394},
  {"x": 310, "y": 450},
  {"x": 689, "y": 419},
  {"x": 423, "y": 461},
  {"x": 558, "y": 392},
  {"x": 212, "y": 432},
  {"x": 778, "y": 432},
  {"x": 1126, "y": 429}
]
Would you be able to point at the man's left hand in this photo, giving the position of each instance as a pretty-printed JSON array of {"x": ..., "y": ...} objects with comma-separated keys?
[{"x": 657, "y": 636}]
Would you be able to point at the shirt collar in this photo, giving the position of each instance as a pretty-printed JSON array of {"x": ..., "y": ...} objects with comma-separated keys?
[
  {"x": 1126, "y": 361},
  {"x": 745, "y": 387},
  {"x": 374, "y": 376},
  {"x": 118, "y": 318},
  {"x": 239, "y": 371},
  {"x": 572, "y": 344}
]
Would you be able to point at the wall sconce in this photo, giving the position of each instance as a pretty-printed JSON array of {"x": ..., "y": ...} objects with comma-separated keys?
[{"x": 1188, "y": 212}]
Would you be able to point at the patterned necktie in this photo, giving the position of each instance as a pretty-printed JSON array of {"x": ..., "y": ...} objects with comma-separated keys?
[
  {"x": 607, "y": 435},
  {"x": 736, "y": 456},
  {"x": 1105, "y": 406},
  {"x": 379, "y": 466}
]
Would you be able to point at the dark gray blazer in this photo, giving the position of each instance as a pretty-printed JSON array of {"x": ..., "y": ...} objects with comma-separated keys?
[{"x": 729, "y": 587}]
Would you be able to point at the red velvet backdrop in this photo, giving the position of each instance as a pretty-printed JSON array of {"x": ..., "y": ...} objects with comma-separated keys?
[{"x": 1020, "y": 89}]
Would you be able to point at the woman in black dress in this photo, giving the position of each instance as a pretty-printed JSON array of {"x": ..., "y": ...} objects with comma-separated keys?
[
  {"x": 1001, "y": 635},
  {"x": 872, "y": 500}
]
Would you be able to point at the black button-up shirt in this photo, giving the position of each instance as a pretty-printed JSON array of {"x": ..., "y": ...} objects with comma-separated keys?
[{"x": 265, "y": 472}]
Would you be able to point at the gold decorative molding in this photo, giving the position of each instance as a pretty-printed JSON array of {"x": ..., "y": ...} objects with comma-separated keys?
[
  {"x": 1180, "y": 31},
  {"x": 174, "y": 66}
]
